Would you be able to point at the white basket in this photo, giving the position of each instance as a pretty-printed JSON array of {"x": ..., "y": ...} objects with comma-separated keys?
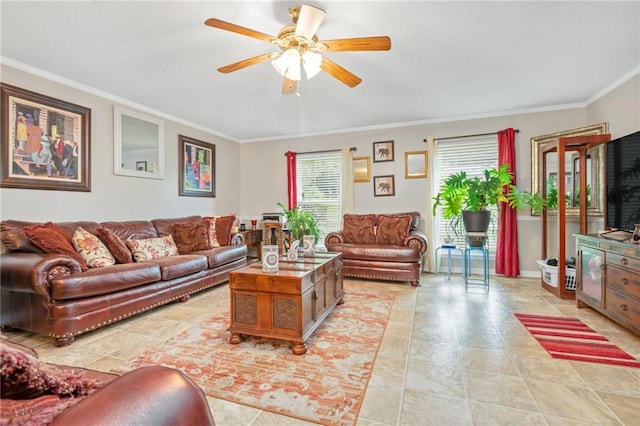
[{"x": 550, "y": 275}]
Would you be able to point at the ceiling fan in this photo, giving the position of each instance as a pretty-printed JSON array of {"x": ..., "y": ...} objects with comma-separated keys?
[{"x": 300, "y": 48}]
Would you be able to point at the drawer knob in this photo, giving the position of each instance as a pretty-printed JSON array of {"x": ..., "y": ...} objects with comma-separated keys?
[
  {"x": 625, "y": 281},
  {"x": 624, "y": 261},
  {"x": 624, "y": 307}
]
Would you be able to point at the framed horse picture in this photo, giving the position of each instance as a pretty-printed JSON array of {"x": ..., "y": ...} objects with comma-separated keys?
[
  {"x": 384, "y": 186},
  {"x": 383, "y": 151}
]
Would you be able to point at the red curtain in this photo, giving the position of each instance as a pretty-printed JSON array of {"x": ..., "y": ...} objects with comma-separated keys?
[
  {"x": 292, "y": 188},
  {"x": 507, "y": 259}
]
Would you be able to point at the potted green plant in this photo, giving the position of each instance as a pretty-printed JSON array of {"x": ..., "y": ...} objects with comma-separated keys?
[
  {"x": 467, "y": 199},
  {"x": 300, "y": 223}
]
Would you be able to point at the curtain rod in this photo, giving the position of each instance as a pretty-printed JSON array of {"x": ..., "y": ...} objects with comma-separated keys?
[
  {"x": 466, "y": 136},
  {"x": 353, "y": 148}
]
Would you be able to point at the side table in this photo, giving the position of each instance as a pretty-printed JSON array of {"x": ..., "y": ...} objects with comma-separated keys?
[
  {"x": 449, "y": 248},
  {"x": 253, "y": 239}
]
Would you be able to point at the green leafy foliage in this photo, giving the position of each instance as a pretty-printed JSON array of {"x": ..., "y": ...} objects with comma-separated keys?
[{"x": 300, "y": 222}]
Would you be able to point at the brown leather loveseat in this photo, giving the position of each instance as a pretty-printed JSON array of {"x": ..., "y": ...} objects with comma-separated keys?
[
  {"x": 56, "y": 295},
  {"x": 381, "y": 246},
  {"x": 35, "y": 392}
]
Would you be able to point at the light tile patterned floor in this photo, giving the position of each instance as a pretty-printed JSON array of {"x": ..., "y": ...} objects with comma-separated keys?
[{"x": 449, "y": 357}]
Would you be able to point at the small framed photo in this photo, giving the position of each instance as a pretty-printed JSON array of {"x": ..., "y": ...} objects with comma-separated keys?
[
  {"x": 197, "y": 168},
  {"x": 384, "y": 186},
  {"x": 415, "y": 164},
  {"x": 383, "y": 151},
  {"x": 141, "y": 166},
  {"x": 361, "y": 170}
]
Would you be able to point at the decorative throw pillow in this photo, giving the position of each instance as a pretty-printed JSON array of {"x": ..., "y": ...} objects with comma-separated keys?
[
  {"x": 393, "y": 229},
  {"x": 211, "y": 227},
  {"x": 223, "y": 229},
  {"x": 359, "y": 228},
  {"x": 191, "y": 236},
  {"x": 92, "y": 250},
  {"x": 23, "y": 376},
  {"x": 36, "y": 411},
  {"x": 116, "y": 246},
  {"x": 52, "y": 239},
  {"x": 152, "y": 248}
]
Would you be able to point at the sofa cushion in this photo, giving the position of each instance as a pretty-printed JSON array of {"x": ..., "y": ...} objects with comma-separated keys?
[
  {"x": 359, "y": 228},
  {"x": 97, "y": 281},
  {"x": 52, "y": 239},
  {"x": 211, "y": 226},
  {"x": 192, "y": 236},
  {"x": 13, "y": 239},
  {"x": 223, "y": 229},
  {"x": 152, "y": 248},
  {"x": 222, "y": 255},
  {"x": 163, "y": 226},
  {"x": 92, "y": 250},
  {"x": 392, "y": 229},
  {"x": 24, "y": 376},
  {"x": 116, "y": 246},
  {"x": 179, "y": 266},
  {"x": 376, "y": 252},
  {"x": 132, "y": 229}
]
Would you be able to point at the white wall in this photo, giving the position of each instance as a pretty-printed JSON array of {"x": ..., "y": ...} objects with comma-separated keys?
[
  {"x": 251, "y": 178},
  {"x": 120, "y": 197}
]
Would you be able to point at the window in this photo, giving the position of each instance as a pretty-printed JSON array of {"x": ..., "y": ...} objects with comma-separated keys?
[
  {"x": 472, "y": 156},
  {"x": 319, "y": 177}
]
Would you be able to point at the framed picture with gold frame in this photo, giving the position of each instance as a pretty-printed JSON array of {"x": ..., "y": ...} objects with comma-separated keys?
[
  {"x": 415, "y": 164},
  {"x": 361, "y": 169}
]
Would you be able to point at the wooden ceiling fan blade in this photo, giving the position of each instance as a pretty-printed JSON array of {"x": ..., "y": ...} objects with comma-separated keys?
[
  {"x": 289, "y": 87},
  {"x": 356, "y": 44},
  {"x": 245, "y": 63},
  {"x": 340, "y": 73},
  {"x": 228, "y": 26},
  {"x": 309, "y": 21}
]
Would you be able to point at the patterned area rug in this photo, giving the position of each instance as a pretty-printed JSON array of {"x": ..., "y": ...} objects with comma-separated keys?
[
  {"x": 326, "y": 385},
  {"x": 570, "y": 338}
]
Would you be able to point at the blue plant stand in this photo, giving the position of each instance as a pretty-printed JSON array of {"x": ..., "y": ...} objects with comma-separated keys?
[
  {"x": 449, "y": 248},
  {"x": 483, "y": 251}
]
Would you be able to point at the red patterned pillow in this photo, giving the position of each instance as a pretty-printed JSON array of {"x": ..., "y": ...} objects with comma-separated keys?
[
  {"x": 23, "y": 376},
  {"x": 358, "y": 228},
  {"x": 393, "y": 229},
  {"x": 116, "y": 246},
  {"x": 52, "y": 239},
  {"x": 223, "y": 229},
  {"x": 211, "y": 228},
  {"x": 191, "y": 236}
]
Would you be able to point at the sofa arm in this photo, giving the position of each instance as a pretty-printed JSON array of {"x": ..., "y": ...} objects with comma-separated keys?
[
  {"x": 418, "y": 240},
  {"x": 146, "y": 396},
  {"x": 32, "y": 272},
  {"x": 334, "y": 238}
]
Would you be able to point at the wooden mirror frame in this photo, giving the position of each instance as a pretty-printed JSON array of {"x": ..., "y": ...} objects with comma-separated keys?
[
  {"x": 415, "y": 164},
  {"x": 149, "y": 138},
  {"x": 597, "y": 160}
]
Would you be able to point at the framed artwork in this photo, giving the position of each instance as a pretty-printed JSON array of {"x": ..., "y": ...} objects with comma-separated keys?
[
  {"x": 45, "y": 142},
  {"x": 415, "y": 164},
  {"x": 361, "y": 169},
  {"x": 384, "y": 186},
  {"x": 197, "y": 168},
  {"x": 383, "y": 151},
  {"x": 141, "y": 166}
]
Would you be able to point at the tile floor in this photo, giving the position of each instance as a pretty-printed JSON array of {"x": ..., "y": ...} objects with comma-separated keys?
[{"x": 448, "y": 357}]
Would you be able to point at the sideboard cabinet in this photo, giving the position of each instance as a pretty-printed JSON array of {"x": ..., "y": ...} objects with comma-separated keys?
[{"x": 609, "y": 279}]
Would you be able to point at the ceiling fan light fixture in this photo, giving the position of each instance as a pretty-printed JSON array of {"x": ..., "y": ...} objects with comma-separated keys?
[
  {"x": 288, "y": 64},
  {"x": 311, "y": 62}
]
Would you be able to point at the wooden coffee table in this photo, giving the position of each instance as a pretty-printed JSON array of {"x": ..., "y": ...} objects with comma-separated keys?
[{"x": 289, "y": 304}]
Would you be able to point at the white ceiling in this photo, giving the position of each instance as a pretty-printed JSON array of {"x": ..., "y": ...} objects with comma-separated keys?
[{"x": 448, "y": 60}]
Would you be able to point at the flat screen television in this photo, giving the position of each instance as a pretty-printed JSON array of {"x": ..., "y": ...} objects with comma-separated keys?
[{"x": 623, "y": 182}]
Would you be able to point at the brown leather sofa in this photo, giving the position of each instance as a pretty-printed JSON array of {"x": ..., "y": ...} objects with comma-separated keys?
[
  {"x": 51, "y": 295},
  {"x": 145, "y": 396},
  {"x": 381, "y": 246}
]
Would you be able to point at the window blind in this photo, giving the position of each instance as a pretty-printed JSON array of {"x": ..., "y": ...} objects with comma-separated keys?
[
  {"x": 319, "y": 177},
  {"x": 473, "y": 156}
]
